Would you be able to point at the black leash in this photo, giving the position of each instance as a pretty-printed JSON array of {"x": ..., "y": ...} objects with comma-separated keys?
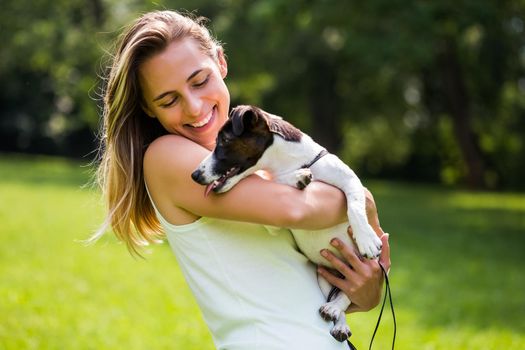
[
  {"x": 387, "y": 293},
  {"x": 350, "y": 345}
]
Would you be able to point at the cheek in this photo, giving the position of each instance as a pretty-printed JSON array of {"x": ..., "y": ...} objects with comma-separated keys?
[
  {"x": 223, "y": 95},
  {"x": 169, "y": 119}
]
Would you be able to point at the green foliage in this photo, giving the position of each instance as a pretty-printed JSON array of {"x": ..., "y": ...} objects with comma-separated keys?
[
  {"x": 456, "y": 275},
  {"x": 48, "y": 57},
  {"x": 416, "y": 90}
]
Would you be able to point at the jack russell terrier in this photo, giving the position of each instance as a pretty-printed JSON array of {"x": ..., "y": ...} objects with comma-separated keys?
[{"x": 253, "y": 140}]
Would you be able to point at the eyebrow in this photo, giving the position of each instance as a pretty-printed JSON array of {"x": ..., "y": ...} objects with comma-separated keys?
[{"x": 164, "y": 94}]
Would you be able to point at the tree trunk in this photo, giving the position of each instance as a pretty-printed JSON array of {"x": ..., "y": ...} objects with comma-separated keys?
[
  {"x": 325, "y": 105},
  {"x": 97, "y": 9},
  {"x": 458, "y": 106}
]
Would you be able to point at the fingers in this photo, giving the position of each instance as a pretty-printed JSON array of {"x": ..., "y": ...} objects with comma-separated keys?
[
  {"x": 349, "y": 254},
  {"x": 385, "y": 252},
  {"x": 337, "y": 264},
  {"x": 332, "y": 279}
]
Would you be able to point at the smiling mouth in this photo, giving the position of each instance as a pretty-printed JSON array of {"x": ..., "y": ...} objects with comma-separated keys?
[
  {"x": 204, "y": 121},
  {"x": 217, "y": 184}
]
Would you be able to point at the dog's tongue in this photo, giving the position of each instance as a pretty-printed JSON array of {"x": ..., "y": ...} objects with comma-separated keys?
[{"x": 209, "y": 188}]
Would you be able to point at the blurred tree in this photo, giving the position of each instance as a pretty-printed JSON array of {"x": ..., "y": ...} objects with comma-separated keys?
[
  {"x": 404, "y": 87},
  {"x": 48, "y": 60},
  {"x": 410, "y": 89}
]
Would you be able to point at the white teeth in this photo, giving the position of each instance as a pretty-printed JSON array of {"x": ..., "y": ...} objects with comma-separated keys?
[{"x": 203, "y": 122}]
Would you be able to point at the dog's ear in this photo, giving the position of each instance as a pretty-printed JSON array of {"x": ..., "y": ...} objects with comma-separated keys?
[
  {"x": 282, "y": 128},
  {"x": 247, "y": 117},
  {"x": 236, "y": 116},
  {"x": 275, "y": 126}
]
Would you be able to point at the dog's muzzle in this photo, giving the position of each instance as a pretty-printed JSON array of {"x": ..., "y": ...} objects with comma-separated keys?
[{"x": 198, "y": 177}]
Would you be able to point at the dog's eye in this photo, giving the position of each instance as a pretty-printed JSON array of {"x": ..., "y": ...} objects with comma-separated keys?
[{"x": 220, "y": 154}]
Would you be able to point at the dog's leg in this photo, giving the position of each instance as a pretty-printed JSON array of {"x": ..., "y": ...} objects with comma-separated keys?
[
  {"x": 367, "y": 242},
  {"x": 298, "y": 178},
  {"x": 335, "y": 310},
  {"x": 341, "y": 331},
  {"x": 331, "y": 310},
  {"x": 333, "y": 171},
  {"x": 324, "y": 285}
]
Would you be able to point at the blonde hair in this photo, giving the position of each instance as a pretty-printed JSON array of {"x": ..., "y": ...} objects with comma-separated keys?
[{"x": 127, "y": 130}]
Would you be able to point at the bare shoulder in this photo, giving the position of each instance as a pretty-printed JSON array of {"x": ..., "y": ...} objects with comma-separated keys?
[
  {"x": 168, "y": 164},
  {"x": 168, "y": 147},
  {"x": 171, "y": 155}
]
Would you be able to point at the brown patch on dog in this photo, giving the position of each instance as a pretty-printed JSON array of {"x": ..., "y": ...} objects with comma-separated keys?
[
  {"x": 275, "y": 124},
  {"x": 285, "y": 129}
]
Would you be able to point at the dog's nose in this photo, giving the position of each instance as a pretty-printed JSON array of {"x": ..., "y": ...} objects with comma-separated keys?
[{"x": 197, "y": 176}]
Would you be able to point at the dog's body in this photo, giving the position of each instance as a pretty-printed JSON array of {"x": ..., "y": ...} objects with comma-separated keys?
[{"x": 254, "y": 140}]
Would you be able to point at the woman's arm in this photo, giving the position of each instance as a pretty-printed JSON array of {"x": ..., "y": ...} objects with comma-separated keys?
[{"x": 170, "y": 160}]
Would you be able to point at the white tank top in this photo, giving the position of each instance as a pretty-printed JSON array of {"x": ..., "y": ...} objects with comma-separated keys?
[{"x": 256, "y": 291}]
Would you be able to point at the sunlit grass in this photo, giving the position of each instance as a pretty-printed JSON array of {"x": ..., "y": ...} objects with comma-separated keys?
[
  {"x": 57, "y": 293},
  {"x": 457, "y": 277}
]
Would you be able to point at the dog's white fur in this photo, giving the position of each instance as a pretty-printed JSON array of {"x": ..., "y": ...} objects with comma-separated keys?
[{"x": 284, "y": 160}]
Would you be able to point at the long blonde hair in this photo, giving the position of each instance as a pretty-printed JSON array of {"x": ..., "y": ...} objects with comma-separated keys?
[{"x": 127, "y": 130}]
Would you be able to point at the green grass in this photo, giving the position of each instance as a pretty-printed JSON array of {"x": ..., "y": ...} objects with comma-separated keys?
[{"x": 456, "y": 277}]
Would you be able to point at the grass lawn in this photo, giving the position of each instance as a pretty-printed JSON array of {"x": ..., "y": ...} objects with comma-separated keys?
[{"x": 457, "y": 278}]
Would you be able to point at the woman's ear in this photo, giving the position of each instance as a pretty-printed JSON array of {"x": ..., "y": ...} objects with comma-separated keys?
[
  {"x": 149, "y": 113},
  {"x": 147, "y": 110},
  {"x": 221, "y": 61}
]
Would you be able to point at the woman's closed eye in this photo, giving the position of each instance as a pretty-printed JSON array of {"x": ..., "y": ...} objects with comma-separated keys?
[
  {"x": 175, "y": 98},
  {"x": 169, "y": 103},
  {"x": 202, "y": 82}
]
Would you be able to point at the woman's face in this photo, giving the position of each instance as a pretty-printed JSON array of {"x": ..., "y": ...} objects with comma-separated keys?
[{"x": 183, "y": 88}]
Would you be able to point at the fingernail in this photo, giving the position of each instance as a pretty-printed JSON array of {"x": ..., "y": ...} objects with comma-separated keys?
[
  {"x": 334, "y": 242},
  {"x": 324, "y": 253}
]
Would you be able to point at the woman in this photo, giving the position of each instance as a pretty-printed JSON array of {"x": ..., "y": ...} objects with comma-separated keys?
[{"x": 165, "y": 101}]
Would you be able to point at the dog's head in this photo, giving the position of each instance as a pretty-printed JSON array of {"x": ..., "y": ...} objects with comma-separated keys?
[{"x": 240, "y": 144}]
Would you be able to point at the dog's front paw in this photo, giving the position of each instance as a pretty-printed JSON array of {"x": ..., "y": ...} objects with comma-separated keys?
[
  {"x": 368, "y": 243},
  {"x": 330, "y": 312},
  {"x": 303, "y": 178},
  {"x": 341, "y": 332}
]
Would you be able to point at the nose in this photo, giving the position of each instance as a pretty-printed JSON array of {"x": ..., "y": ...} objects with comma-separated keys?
[
  {"x": 193, "y": 105},
  {"x": 197, "y": 177}
]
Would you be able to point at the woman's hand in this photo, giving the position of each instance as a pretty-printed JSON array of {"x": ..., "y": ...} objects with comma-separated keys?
[{"x": 362, "y": 279}]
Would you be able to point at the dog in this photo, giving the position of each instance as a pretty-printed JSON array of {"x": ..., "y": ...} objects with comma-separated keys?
[{"x": 253, "y": 140}]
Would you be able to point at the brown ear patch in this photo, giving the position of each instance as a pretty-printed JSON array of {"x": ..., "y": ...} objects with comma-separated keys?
[
  {"x": 286, "y": 130},
  {"x": 246, "y": 116},
  {"x": 236, "y": 118}
]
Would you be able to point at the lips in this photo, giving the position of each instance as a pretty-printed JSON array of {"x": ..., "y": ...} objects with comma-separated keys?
[
  {"x": 217, "y": 184},
  {"x": 203, "y": 122}
]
